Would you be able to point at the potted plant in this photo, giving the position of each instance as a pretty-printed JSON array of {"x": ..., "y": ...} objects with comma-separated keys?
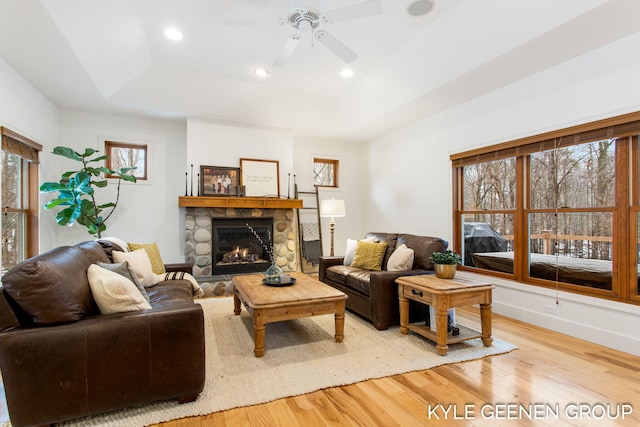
[
  {"x": 76, "y": 194},
  {"x": 445, "y": 263}
]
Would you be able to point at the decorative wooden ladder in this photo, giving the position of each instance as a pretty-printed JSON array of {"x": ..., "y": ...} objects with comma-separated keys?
[{"x": 309, "y": 230}]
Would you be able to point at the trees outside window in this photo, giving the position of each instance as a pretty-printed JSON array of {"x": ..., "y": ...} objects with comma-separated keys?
[
  {"x": 124, "y": 155},
  {"x": 19, "y": 198},
  {"x": 325, "y": 172},
  {"x": 562, "y": 209}
]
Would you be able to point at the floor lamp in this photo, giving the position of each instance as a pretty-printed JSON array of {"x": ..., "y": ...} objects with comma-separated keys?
[{"x": 332, "y": 208}]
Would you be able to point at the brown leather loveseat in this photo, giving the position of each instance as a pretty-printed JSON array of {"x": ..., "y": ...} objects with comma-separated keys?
[
  {"x": 374, "y": 294},
  {"x": 61, "y": 359}
]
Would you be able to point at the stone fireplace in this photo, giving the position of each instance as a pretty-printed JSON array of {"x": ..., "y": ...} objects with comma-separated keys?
[
  {"x": 236, "y": 249},
  {"x": 209, "y": 235}
]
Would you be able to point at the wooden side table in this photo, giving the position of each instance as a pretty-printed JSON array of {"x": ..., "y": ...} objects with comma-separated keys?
[{"x": 443, "y": 294}]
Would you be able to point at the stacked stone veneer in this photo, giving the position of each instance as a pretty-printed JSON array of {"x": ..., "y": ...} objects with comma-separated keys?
[{"x": 198, "y": 248}]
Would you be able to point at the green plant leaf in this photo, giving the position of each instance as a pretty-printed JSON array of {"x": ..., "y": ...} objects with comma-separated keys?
[
  {"x": 58, "y": 202},
  {"x": 100, "y": 170},
  {"x": 82, "y": 183},
  {"x": 67, "y": 152},
  {"x": 101, "y": 184},
  {"x": 66, "y": 216},
  {"x": 107, "y": 205},
  {"x": 98, "y": 159},
  {"x": 88, "y": 152},
  {"x": 47, "y": 187},
  {"x": 129, "y": 178}
]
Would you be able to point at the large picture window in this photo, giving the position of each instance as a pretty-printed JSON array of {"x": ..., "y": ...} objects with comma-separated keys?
[
  {"x": 19, "y": 198},
  {"x": 557, "y": 210}
]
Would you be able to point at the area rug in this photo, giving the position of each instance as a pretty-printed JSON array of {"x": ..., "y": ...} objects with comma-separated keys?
[{"x": 301, "y": 357}]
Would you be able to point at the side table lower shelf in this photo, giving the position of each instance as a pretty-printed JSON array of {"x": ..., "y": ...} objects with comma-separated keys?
[{"x": 430, "y": 334}]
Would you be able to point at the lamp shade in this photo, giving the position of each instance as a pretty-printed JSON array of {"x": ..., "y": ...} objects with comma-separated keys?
[{"x": 332, "y": 208}]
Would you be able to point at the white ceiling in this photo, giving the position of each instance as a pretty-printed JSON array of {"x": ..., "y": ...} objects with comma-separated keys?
[{"x": 111, "y": 56}]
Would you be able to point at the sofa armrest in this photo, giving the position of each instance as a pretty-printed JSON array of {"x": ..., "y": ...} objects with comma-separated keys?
[
  {"x": 383, "y": 291},
  {"x": 326, "y": 262},
  {"x": 102, "y": 363},
  {"x": 185, "y": 267}
]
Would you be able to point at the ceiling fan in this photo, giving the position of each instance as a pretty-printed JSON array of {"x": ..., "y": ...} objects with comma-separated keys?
[{"x": 309, "y": 18}]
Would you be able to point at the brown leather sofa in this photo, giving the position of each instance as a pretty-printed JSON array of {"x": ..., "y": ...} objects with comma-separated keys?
[
  {"x": 374, "y": 294},
  {"x": 61, "y": 359}
]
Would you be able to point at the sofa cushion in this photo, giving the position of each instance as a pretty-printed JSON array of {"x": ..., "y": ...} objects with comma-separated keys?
[
  {"x": 401, "y": 259},
  {"x": 369, "y": 255},
  {"x": 390, "y": 239},
  {"x": 53, "y": 287},
  {"x": 113, "y": 292},
  {"x": 93, "y": 250},
  {"x": 354, "y": 278},
  {"x": 423, "y": 247}
]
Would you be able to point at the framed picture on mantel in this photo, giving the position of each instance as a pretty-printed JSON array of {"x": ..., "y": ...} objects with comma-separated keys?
[
  {"x": 260, "y": 178},
  {"x": 219, "y": 181}
]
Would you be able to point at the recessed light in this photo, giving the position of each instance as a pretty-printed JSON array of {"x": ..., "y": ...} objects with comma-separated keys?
[
  {"x": 420, "y": 7},
  {"x": 346, "y": 73},
  {"x": 173, "y": 34},
  {"x": 261, "y": 72}
]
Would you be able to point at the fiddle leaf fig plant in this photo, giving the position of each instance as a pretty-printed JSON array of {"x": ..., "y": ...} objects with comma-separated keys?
[{"x": 76, "y": 190}]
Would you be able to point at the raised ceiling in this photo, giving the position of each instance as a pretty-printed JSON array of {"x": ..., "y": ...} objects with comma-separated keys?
[{"x": 112, "y": 56}]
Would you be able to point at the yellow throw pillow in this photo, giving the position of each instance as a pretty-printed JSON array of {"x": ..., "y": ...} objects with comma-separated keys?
[
  {"x": 369, "y": 255},
  {"x": 154, "y": 255}
]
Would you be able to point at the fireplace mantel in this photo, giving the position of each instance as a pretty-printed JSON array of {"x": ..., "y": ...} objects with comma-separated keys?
[{"x": 238, "y": 202}]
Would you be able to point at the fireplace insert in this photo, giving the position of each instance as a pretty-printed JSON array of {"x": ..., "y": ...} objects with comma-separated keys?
[{"x": 235, "y": 247}]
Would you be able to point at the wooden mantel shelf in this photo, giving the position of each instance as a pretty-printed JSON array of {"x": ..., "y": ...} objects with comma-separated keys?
[{"x": 238, "y": 202}]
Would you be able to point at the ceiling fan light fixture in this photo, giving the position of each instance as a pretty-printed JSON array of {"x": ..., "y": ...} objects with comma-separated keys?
[
  {"x": 420, "y": 7},
  {"x": 173, "y": 33},
  {"x": 304, "y": 26}
]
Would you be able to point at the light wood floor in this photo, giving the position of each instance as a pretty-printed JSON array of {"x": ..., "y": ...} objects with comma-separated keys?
[{"x": 547, "y": 369}]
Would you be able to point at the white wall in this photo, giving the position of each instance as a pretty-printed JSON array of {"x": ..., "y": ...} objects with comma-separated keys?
[
  {"x": 418, "y": 197},
  {"x": 351, "y": 157},
  {"x": 25, "y": 110},
  {"x": 147, "y": 211},
  {"x": 223, "y": 144},
  {"x": 220, "y": 144}
]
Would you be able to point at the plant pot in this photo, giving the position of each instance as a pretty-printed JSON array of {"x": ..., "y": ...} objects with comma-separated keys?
[{"x": 445, "y": 271}]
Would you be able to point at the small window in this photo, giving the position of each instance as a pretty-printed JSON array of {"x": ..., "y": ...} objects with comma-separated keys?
[
  {"x": 325, "y": 172},
  {"x": 122, "y": 155}
]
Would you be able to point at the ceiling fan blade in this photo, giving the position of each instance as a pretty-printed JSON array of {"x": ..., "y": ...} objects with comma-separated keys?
[
  {"x": 354, "y": 11},
  {"x": 248, "y": 22},
  {"x": 338, "y": 48},
  {"x": 287, "y": 50}
]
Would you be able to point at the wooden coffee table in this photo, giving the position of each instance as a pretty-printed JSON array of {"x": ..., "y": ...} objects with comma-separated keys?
[
  {"x": 443, "y": 294},
  {"x": 266, "y": 304}
]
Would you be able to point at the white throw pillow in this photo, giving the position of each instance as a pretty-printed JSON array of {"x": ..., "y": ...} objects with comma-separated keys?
[
  {"x": 401, "y": 259},
  {"x": 140, "y": 263},
  {"x": 350, "y": 252},
  {"x": 113, "y": 292}
]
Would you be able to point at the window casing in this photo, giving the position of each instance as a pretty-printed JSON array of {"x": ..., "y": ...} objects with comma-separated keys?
[
  {"x": 561, "y": 203},
  {"x": 19, "y": 198},
  {"x": 325, "y": 172},
  {"x": 125, "y": 155}
]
